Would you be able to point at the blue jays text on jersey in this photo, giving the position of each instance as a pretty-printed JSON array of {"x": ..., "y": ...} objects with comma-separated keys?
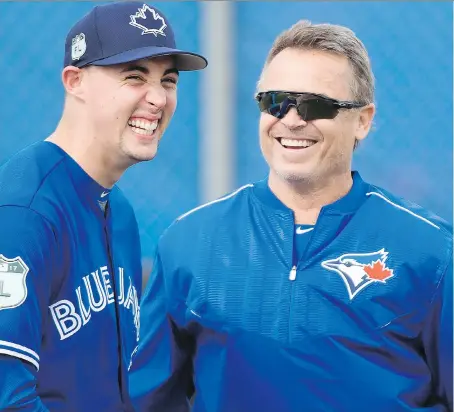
[
  {"x": 70, "y": 282},
  {"x": 356, "y": 318},
  {"x": 70, "y": 317}
]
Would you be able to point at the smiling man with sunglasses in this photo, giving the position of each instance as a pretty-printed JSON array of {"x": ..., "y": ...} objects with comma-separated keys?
[{"x": 311, "y": 290}]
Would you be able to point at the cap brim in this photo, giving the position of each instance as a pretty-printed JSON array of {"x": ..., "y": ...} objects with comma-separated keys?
[{"x": 186, "y": 61}]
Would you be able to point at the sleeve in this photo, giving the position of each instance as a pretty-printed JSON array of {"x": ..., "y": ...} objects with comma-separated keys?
[
  {"x": 161, "y": 371},
  {"x": 438, "y": 339},
  {"x": 26, "y": 258},
  {"x": 15, "y": 374}
]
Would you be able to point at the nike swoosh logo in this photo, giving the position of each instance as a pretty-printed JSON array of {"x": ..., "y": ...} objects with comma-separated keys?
[
  {"x": 104, "y": 194},
  {"x": 300, "y": 231}
]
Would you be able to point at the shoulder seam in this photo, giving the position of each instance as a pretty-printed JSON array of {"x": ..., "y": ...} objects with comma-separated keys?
[
  {"x": 214, "y": 201},
  {"x": 31, "y": 210},
  {"x": 404, "y": 209},
  {"x": 44, "y": 179}
]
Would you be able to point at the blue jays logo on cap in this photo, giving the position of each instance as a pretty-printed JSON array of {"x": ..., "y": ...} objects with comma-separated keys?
[
  {"x": 149, "y": 21},
  {"x": 122, "y": 32}
]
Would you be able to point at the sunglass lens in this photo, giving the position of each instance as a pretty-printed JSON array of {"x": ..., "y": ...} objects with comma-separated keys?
[
  {"x": 313, "y": 109},
  {"x": 272, "y": 103},
  {"x": 309, "y": 108}
]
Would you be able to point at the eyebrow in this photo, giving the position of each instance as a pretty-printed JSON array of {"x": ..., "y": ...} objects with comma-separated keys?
[{"x": 145, "y": 70}]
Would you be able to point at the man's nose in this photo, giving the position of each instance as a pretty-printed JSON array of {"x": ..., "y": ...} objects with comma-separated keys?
[
  {"x": 292, "y": 119},
  {"x": 156, "y": 96}
]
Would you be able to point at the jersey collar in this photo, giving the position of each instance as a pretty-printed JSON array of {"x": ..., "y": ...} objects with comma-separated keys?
[
  {"x": 89, "y": 190},
  {"x": 347, "y": 204}
]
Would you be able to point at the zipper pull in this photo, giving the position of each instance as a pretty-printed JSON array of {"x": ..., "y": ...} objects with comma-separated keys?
[{"x": 292, "y": 275}]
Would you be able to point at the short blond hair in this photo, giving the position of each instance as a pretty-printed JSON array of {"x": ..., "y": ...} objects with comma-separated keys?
[{"x": 334, "y": 39}]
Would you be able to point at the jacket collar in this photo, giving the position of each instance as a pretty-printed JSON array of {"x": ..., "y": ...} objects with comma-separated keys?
[{"x": 345, "y": 205}]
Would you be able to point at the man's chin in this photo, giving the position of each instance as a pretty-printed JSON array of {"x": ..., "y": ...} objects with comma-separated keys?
[
  {"x": 137, "y": 158},
  {"x": 143, "y": 154},
  {"x": 294, "y": 175}
]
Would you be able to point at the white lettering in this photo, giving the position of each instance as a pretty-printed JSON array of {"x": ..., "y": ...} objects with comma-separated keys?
[
  {"x": 106, "y": 279},
  {"x": 130, "y": 297},
  {"x": 137, "y": 321},
  {"x": 86, "y": 314},
  {"x": 66, "y": 319},
  {"x": 101, "y": 303},
  {"x": 132, "y": 356},
  {"x": 133, "y": 302},
  {"x": 121, "y": 296}
]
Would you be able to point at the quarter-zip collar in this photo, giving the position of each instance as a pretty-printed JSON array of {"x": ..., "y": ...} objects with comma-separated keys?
[{"x": 345, "y": 205}]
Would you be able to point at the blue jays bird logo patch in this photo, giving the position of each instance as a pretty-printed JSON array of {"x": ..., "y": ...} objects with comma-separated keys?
[{"x": 359, "y": 270}]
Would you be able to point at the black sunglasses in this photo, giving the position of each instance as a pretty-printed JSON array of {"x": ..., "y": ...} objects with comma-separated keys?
[{"x": 310, "y": 106}]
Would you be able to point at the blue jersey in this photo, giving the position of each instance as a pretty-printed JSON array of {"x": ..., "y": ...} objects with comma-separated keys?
[
  {"x": 356, "y": 318},
  {"x": 70, "y": 282}
]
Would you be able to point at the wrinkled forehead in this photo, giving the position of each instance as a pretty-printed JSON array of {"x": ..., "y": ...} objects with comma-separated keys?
[{"x": 309, "y": 71}]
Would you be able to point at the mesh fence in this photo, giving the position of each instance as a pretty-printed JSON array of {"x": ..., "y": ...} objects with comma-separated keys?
[
  {"x": 410, "y": 44},
  {"x": 32, "y": 36},
  {"x": 409, "y": 152}
]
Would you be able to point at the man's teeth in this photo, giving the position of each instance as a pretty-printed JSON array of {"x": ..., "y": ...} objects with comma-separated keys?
[
  {"x": 297, "y": 142},
  {"x": 144, "y": 127}
]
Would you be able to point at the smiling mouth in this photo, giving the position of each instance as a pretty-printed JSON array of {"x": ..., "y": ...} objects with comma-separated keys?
[
  {"x": 143, "y": 127},
  {"x": 296, "y": 143}
]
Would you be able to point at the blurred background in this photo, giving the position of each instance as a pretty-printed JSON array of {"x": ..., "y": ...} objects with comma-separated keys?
[{"x": 211, "y": 146}]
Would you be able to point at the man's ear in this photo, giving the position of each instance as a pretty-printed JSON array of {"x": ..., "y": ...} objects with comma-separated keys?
[
  {"x": 366, "y": 117},
  {"x": 72, "y": 81}
]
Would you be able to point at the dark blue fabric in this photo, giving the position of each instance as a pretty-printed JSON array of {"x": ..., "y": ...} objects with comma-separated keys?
[
  {"x": 366, "y": 324},
  {"x": 64, "y": 319}
]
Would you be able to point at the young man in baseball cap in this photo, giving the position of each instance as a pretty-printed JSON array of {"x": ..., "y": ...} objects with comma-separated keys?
[{"x": 70, "y": 276}]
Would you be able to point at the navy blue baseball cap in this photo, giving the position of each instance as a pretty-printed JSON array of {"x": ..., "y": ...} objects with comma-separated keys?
[{"x": 122, "y": 32}]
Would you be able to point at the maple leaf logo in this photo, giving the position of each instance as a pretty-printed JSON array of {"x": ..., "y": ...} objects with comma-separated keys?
[
  {"x": 149, "y": 21},
  {"x": 378, "y": 271},
  {"x": 359, "y": 270}
]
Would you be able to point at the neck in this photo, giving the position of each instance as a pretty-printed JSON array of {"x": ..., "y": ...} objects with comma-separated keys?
[
  {"x": 306, "y": 198},
  {"x": 82, "y": 145}
]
